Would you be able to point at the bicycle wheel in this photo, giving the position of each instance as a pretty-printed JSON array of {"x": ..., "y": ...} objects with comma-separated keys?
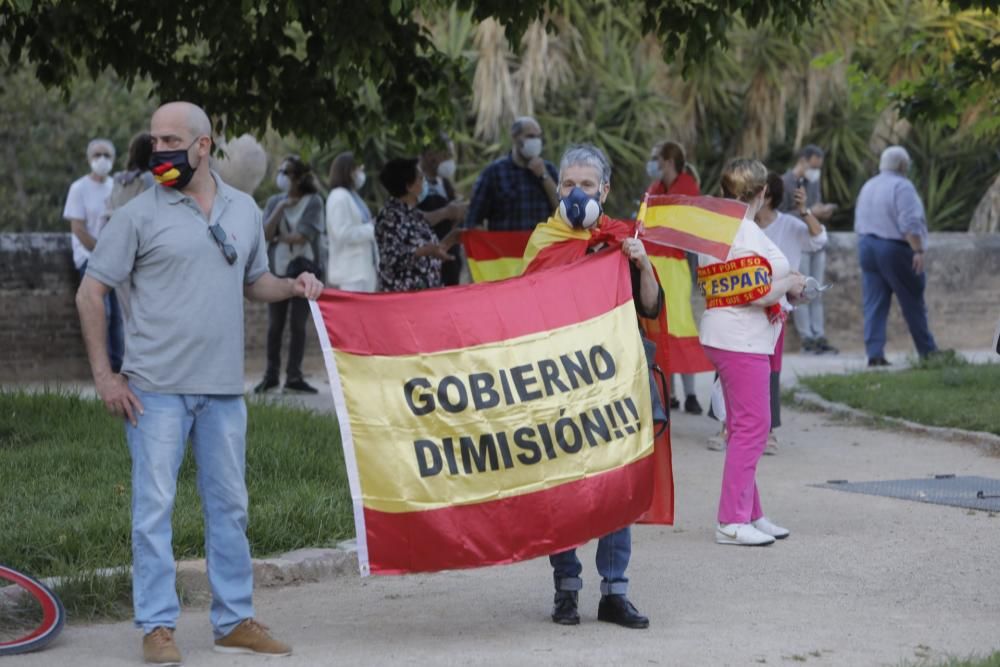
[{"x": 31, "y": 615}]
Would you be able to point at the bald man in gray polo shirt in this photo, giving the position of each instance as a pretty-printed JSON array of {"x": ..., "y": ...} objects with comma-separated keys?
[{"x": 190, "y": 248}]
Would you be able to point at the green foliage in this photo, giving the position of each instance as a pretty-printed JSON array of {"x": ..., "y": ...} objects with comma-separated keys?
[
  {"x": 940, "y": 391},
  {"x": 308, "y": 66},
  {"x": 755, "y": 77},
  {"x": 44, "y": 138},
  {"x": 65, "y": 475},
  {"x": 951, "y": 172}
]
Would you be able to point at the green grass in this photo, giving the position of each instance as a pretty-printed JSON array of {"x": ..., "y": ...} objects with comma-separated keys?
[
  {"x": 65, "y": 492},
  {"x": 992, "y": 660},
  {"x": 946, "y": 391}
]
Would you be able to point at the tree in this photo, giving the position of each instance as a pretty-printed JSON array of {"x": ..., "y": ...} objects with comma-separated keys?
[{"x": 314, "y": 68}]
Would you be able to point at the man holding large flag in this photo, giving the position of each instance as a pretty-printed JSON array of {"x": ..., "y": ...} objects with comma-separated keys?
[{"x": 577, "y": 229}]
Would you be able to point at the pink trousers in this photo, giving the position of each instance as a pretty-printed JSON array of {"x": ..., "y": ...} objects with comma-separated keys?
[{"x": 745, "y": 382}]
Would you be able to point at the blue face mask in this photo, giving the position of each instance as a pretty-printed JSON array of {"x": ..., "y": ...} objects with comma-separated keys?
[{"x": 579, "y": 209}]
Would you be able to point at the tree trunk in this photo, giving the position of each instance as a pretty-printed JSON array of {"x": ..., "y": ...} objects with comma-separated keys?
[{"x": 986, "y": 219}]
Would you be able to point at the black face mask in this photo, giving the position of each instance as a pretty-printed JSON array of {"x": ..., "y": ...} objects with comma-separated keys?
[{"x": 172, "y": 168}]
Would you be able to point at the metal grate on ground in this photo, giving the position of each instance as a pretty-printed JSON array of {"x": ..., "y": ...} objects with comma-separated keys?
[{"x": 978, "y": 493}]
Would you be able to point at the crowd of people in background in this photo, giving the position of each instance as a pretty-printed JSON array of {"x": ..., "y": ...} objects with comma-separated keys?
[
  {"x": 177, "y": 379},
  {"x": 413, "y": 241}
]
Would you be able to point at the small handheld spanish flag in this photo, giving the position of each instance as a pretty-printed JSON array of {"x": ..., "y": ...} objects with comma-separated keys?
[{"x": 698, "y": 224}]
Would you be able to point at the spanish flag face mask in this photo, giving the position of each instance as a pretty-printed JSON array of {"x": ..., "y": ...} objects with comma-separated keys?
[{"x": 172, "y": 169}]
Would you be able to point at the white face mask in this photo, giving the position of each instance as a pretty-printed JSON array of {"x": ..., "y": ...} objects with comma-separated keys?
[
  {"x": 531, "y": 148},
  {"x": 447, "y": 169},
  {"x": 812, "y": 175},
  {"x": 653, "y": 170},
  {"x": 359, "y": 179},
  {"x": 281, "y": 180},
  {"x": 101, "y": 166}
]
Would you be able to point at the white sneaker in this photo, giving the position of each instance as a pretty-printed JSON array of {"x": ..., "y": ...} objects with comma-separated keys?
[
  {"x": 777, "y": 532},
  {"x": 717, "y": 443},
  {"x": 772, "y": 444},
  {"x": 743, "y": 534}
]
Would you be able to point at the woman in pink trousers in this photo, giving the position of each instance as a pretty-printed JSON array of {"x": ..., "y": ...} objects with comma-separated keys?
[{"x": 739, "y": 330}]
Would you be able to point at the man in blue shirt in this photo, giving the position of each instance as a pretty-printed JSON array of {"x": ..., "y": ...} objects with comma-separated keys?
[
  {"x": 892, "y": 238},
  {"x": 517, "y": 191}
]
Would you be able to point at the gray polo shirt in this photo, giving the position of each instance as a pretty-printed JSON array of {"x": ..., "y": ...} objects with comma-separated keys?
[{"x": 184, "y": 334}]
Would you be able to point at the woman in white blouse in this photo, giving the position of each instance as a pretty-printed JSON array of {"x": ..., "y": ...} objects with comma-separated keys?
[
  {"x": 352, "y": 262},
  {"x": 739, "y": 330}
]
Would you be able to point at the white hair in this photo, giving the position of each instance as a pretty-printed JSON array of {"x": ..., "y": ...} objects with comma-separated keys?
[
  {"x": 894, "y": 158},
  {"x": 587, "y": 155},
  {"x": 242, "y": 163},
  {"x": 106, "y": 143},
  {"x": 519, "y": 124}
]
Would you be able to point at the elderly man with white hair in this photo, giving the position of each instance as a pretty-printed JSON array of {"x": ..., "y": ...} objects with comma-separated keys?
[
  {"x": 892, "y": 239},
  {"x": 85, "y": 210}
]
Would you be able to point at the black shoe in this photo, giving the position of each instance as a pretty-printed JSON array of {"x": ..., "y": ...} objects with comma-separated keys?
[
  {"x": 617, "y": 609},
  {"x": 674, "y": 404},
  {"x": 878, "y": 361},
  {"x": 301, "y": 386},
  {"x": 821, "y": 346},
  {"x": 808, "y": 345},
  {"x": 692, "y": 406},
  {"x": 564, "y": 608},
  {"x": 266, "y": 384}
]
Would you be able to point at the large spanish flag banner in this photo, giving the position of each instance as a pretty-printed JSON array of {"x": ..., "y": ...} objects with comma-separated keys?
[
  {"x": 491, "y": 423},
  {"x": 494, "y": 255},
  {"x": 700, "y": 224}
]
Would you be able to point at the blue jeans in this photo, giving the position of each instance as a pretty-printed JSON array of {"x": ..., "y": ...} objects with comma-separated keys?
[
  {"x": 808, "y": 317},
  {"x": 887, "y": 269},
  {"x": 216, "y": 426},
  {"x": 116, "y": 332},
  {"x": 613, "y": 553}
]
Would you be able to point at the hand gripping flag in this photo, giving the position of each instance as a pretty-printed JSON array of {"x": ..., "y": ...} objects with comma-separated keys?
[
  {"x": 553, "y": 244},
  {"x": 491, "y": 423}
]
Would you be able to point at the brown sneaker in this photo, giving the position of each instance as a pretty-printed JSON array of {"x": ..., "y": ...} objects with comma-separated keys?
[
  {"x": 158, "y": 648},
  {"x": 251, "y": 637}
]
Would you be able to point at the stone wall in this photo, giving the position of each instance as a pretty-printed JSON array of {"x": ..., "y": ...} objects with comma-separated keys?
[
  {"x": 963, "y": 293},
  {"x": 40, "y": 332},
  {"x": 39, "y": 327}
]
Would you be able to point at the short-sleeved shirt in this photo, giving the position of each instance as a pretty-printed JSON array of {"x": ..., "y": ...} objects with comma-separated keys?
[
  {"x": 889, "y": 207},
  {"x": 793, "y": 238},
  {"x": 399, "y": 232},
  {"x": 510, "y": 197},
  {"x": 185, "y": 331},
  {"x": 744, "y": 328},
  {"x": 87, "y": 200}
]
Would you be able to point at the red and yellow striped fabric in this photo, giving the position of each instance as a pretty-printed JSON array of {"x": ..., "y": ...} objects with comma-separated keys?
[
  {"x": 700, "y": 224},
  {"x": 494, "y": 255},
  {"x": 684, "y": 353},
  {"x": 490, "y": 423},
  {"x": 554, "y": 244}
]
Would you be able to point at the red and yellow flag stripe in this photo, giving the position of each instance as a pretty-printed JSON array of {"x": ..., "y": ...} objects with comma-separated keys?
[
  {"x": 685, "y": 352},
  {"x": 700, "y": 224},
  {"x": 468, "y": 414},
  {"x": 494, "y": 255}
]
